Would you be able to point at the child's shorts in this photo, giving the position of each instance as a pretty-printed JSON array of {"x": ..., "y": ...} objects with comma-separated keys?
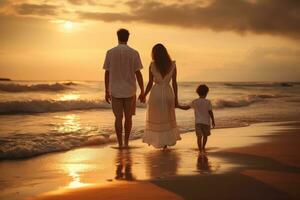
[{"x": 202, "y": 130}]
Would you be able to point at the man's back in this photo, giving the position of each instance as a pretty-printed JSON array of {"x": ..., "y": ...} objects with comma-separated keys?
[{"x": 122, "y": 62}]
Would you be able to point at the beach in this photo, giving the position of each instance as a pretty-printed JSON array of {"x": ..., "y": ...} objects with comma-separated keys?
[
  {"x": 87, "y": 86},
  {"x": 260, "y": 161}
]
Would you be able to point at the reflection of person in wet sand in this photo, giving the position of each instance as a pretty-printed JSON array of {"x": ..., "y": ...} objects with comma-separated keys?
[
  {"x": 124, "y": 163},
  {"x": 203, "y": 164},
  {"x": 162, "y": 163}
]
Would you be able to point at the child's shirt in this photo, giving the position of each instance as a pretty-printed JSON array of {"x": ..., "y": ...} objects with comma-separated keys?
[{"x": 201, "y": 107}]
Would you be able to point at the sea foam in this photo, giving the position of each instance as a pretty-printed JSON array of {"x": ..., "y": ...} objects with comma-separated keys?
[{"x": 53, "y": 87}]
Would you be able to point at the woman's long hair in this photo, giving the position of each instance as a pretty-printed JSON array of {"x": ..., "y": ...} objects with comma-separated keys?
[{"x": 161, "y": 58}]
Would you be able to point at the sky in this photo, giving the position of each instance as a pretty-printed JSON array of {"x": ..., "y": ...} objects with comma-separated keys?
[{"x": 211, "y": 40}]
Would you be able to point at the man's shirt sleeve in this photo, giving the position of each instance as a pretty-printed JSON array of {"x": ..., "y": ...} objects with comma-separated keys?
[{"x": 106, "y": 61}]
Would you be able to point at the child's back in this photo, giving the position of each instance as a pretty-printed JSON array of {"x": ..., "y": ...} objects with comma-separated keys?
[{"x": 201, "y": 108}]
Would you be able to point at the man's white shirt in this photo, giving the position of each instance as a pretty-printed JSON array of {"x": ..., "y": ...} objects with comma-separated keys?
[{"x": 122, "y": 62}]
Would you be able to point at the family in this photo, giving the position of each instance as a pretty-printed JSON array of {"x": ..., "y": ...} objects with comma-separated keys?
[{"x": 122, "y": 67}]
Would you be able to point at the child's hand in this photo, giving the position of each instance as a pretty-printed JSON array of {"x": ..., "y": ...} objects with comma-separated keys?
[{"x": 213, "y": 124}]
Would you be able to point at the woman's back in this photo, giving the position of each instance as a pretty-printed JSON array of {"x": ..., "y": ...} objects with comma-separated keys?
[{"x": 158, "y": 77}]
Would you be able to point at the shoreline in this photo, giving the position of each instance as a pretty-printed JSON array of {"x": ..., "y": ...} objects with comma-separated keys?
[
  {"x": 93, "y": 168},
  {"x": 113, "y": 141}
]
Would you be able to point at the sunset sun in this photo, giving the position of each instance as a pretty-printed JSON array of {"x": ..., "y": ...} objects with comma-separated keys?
[{"x": 68, "y": 25}]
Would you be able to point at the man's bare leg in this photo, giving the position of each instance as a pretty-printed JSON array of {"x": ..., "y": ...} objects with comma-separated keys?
[
  {"x": 128, "y": 126},
  {"x": 118, "y": 129}
]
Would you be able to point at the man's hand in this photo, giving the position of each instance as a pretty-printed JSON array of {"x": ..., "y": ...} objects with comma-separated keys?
[
  {"x": 107, "y": 97},
  {"x": 142, "y": 98}
]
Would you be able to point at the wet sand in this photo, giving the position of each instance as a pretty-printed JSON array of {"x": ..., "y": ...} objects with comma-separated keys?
[{"x": 256, "y": 162}]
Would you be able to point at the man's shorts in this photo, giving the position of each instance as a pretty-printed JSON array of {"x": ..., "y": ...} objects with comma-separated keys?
[
  {"x": 123, "y": 105},
  {"x": 202, "y": 130}
]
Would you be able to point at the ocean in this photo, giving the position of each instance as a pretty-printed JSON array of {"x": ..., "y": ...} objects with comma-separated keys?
[{"x": 38, "y": 117}]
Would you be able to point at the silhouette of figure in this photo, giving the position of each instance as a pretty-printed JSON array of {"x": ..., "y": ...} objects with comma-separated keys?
[
  {"x": 203, "y": 165},
  {"x": 162, "y": 163},
  {"x": 122, "y": 67},
  {"x": 124, "y": 163}
]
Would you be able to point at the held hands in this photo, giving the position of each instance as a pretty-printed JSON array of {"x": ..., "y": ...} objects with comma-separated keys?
[
  {"x": 182, "y": 107},
  {"x": 179, "y": 106},
  {"x": 142, "y": 98}
]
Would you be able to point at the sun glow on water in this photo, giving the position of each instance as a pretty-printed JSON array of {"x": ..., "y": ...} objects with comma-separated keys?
[{"x": 69, "y": 97}]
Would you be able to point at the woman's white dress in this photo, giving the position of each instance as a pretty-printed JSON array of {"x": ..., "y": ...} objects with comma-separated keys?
[{"x": 161, "y": 127}]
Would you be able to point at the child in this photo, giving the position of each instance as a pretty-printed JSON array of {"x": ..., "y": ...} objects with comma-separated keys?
[{"x": 203, "y": 113}]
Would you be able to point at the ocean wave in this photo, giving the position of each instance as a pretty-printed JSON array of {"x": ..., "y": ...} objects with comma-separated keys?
[
  {"x": 27, "y": 145},
  {"x": 42, "y": 106},
  {"x": 243, "y": 101},
  {"x": 283, "y": 84},
  {"x": 54, "y": 87}
]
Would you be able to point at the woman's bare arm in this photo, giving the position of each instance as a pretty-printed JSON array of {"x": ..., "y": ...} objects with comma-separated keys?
[
  {"x": 174, "y": 85},
  {"x": 150, "y": 83},
  {"x": 184, "y": 107}
]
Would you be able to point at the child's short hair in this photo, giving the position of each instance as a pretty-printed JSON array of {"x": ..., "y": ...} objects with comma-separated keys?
[{"x": 202, "y": 90}]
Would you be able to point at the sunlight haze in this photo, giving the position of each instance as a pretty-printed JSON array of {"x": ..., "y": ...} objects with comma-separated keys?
[{"x": 67, "y": 40}]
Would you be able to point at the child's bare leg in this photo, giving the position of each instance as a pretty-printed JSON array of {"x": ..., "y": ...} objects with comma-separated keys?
[
  {"x": 199, "y": 142},
  {"x": 204, "y": 142}
]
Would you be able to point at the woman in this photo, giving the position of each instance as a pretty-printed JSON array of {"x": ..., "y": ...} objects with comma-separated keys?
[{"x": 161, "y": 128}]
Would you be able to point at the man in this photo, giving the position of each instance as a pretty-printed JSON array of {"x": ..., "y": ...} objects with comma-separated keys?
[{"x": 122, "y": 68}]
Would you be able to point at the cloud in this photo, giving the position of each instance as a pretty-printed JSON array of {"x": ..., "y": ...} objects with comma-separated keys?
[
  {"x": 81, "y": 2},
  {"x": 107, "y": 17},
  {"x": 4, "y": 2},
  {"x": 268, "y": 63},
  {"x": 276, "y": 17},
  {"x": 91, "y": 3},
  {"x": 36, "y": 9}
]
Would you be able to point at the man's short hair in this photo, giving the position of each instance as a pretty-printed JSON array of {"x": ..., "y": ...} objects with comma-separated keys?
[
  {"x": 202, "y": 90},
  {"x": 123, "y": 35}
]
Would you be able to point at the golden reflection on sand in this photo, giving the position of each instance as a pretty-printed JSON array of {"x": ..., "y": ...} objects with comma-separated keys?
[
  {"x": 162, "y": 163},
  {"x": 74, "y": 171}
]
